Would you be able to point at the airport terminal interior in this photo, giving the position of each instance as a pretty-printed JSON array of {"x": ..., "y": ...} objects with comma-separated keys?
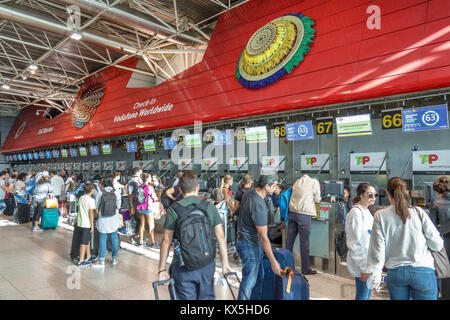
[{"x": 345, "y": 92}]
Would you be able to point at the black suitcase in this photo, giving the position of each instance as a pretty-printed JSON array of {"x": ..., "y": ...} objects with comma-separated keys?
[
  {"x": 231, "y": 232},
  {"x": 23, "y": 213},
  {"x": 10, "y": 205},
  {"x": 76, "y": 241}
]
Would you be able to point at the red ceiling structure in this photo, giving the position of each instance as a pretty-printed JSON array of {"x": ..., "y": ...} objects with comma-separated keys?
[{"x": 347, "y": 62}]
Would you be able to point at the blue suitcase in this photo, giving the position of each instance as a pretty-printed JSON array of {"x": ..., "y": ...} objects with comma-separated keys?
[
  {"x": 291, "y": 286},
  {"x": 50, "y": 218},
  {"x": 285, "y": 259}
]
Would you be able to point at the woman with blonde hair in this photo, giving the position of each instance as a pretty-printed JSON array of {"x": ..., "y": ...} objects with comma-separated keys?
[{"x": 402, "y": 237}]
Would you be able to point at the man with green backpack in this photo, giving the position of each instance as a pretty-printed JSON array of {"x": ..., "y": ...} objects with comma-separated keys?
[{"x": 195, "y": 226}]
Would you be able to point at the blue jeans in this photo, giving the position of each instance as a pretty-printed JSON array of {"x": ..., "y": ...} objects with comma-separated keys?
[
  {"x": 252, "y": 270},
  {"x": 114, "y": 245},
  {"x": 417, "y": 282},
  {"x": 362, "y": 292},
  {"x": 2, "y": 206}
]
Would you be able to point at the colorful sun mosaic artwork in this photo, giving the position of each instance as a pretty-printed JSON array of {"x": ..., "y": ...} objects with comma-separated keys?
[
  {"x": 84, "y": 109},
  {"x": 275, "y": 50}
]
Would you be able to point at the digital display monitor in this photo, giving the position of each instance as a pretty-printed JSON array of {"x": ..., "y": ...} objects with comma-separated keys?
[
  {"x": 64, "y": 153},
  {"x": 35, "y": 156},
  {"x": 169, "y": 143},
  {"x": 222, "y": 138},
  {"x": 48, "y": 154},
  {"x": 334, "y": 188},
  {"x": 354, "y": 125},
  {"x": 41, "y": 155},
  {"x": 193, "y": 140},
  {"x": 149, "y": 145},
  {"x": 425, "y": 118},
  {"x": 256, "y": 134},
  {"x": 131, "y": 146},
  {"x": 24, "y": 156},
  {"x": 55, "y": 154},
  {"x": 15, "y": 157},
  {"x": 106, "y": 148},
  {"x": 95, "y": 151},
  {"x": 19, "y": 157},
  {"x": 30, "y": 156},
  {"x": 83, "y": 151},
  {"x": 73, "y": 152},
  {"x": 299, "y": 130}
]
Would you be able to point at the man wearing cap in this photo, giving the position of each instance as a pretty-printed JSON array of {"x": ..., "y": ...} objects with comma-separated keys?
[{"x": 40, "y": 193}]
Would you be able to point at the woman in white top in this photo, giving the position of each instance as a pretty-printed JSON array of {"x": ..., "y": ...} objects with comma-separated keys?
[
  {"x": 358, "y": 227},
  {"x": 402, "y": 237}
]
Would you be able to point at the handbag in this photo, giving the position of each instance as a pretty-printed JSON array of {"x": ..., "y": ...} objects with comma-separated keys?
[
  {"x": 441, "y": 264},
  {"x": 51, "y": 202},
  {"x": 158, "y": 210},
  {"x": 341, "y": 243}
]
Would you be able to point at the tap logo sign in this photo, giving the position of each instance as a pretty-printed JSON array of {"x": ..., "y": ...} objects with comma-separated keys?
[
  {"x": 435, "y": 162},
  {"x": 362, "y": 160},
  {"x": 240, "y": 164},
  {"x": 429, "y": 158},
  {"x": 311, "y": 160},
  {"x": 368, "y": 163}
]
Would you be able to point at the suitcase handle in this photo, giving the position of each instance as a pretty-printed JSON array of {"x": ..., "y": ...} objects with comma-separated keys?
[
  {"x": 162, "y": 282},
  {"x": 226, "y": 275}
]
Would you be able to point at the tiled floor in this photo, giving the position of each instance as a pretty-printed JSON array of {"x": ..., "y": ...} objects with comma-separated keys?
[{"x": 38, "y": 266}]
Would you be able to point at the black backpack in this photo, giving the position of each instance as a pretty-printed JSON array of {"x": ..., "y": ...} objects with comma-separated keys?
[
  {"x": 195, "y": 234},
  {"x": 108, "y": 204},
  {"x": 166, "y": 201}
]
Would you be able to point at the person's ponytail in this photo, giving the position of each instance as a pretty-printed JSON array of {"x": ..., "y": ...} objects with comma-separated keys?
[{"x": 397, "y": 189}]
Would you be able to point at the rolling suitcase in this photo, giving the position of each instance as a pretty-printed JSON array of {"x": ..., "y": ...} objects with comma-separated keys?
[
  {"x": 75, "y": 248},
  {"x": 10, "y": 205},
  {"x": 173, "y": 294},
  {"x": 285, "y": 259},
  {"x": 291, "y": 286},
  {"x": 50, "y": 218},
  {"x": 23, "y": 213}
]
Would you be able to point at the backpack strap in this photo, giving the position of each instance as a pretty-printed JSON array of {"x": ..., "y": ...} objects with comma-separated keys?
[{"x": 181, "y": 211}]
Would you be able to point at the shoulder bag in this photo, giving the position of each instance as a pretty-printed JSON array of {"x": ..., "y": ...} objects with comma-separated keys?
[{"x": 441, "y": 264}]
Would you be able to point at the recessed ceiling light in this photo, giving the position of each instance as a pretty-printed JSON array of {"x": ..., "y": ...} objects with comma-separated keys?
[
  {"x": 5, "y": 86},
  {"x": 32, "y": 67},
  {"x": 76, "y": 36}
]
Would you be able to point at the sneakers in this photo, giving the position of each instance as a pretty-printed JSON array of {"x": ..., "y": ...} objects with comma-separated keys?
[
  {"x": 310, "y": 272},
  {"x": 93, "y": 258},
  {"x": 122, "y": 231},
  {"x": 84, "y": 263},
  {"x": 99, "y": 264},
  {"x": 155, "y": 245},
  {"x": 37, "y": 229},
  {"x": 115, "y": 261}
]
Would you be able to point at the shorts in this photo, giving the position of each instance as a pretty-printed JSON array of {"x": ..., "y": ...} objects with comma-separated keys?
[
  {"x": 84, "y": 235},
  {"x": 146, "y": 211}
]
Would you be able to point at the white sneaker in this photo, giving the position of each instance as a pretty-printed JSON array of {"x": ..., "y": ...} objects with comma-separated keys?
[
  {"x": 99, "y": 264},
  {"x": 115, "y": 261}
]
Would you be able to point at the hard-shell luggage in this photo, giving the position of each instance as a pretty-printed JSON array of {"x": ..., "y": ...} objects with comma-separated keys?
[
  {"x": 50, "y": 218},
  {"x": 10, "y": 205},
  {"x": 23, "y": 213},
  {"x": 173, "y": 294},
  {"x": 291, "y": 286},
  {"x": 286, "y": 259},
  {"x": 75, "y": 248},
  {"x": 231, "y": 234}
]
